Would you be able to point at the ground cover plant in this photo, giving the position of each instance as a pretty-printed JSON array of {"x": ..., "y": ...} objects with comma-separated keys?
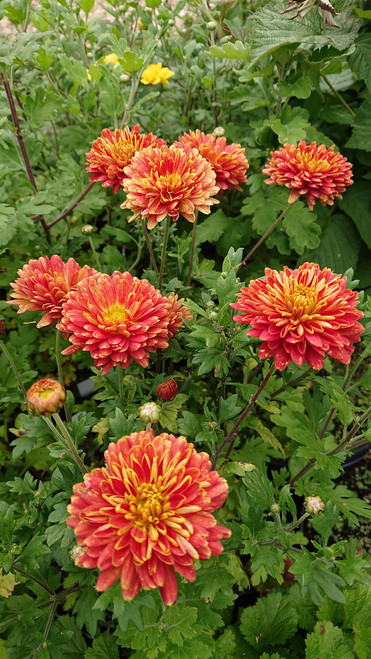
[{"x": 185, "y": 234}]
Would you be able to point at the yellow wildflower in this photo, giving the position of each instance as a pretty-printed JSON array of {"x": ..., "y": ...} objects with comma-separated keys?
[
  {"x": 88, "y": 75},
  {"x": 155, "y": 74},
  {"x": 112, "y": 59}
]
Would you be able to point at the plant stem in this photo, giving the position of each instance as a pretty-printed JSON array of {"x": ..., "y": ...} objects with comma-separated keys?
[
  {"x": 337, "y": 449},
  {"x": 339, "y": 96},
  {"x": 231, "y": 437},
  {"x": 129, "y": 104},
  {"x": 261, "y": 240},
  {"x": 291, "y": 383},
  {"x": 58, "y": 335},
  {"x": 55, "y": 432},
  {"x": 121, "y": 384},
  {"x": 149, "y": 247},
  {"x": 95, "y": 254},
  {"x": 72, "y": 207},
  {"x": 191, "y": 253},
  {"x": 33, "y": 578},
  {"x": 69, "y": 443},
  {"x": 14, "y": 368},
  {"x": 23, "y": 149},
  {"x": 294, "y": 525},
  {"x": 42, "y": 645},
  {"x": 163, "y": 255}
]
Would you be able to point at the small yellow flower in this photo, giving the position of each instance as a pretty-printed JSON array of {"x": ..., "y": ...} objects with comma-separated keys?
[
  {"x": 155, "y": 74},
  {"x": 112, "y": 59},
  {"x": 88, "y": 75}
]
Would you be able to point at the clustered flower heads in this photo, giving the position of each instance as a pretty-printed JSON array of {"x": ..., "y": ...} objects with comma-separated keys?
[
  {"x": 147, "y": 514},
  {"x": 44, "y": 284},
  {"x": 318, "y": 172},
  {"x": 46, "y": 397},
  {"x": 112, "y": 152},
  {"x": 301, "y": 315},
  {"x": 227, "y": 160}
]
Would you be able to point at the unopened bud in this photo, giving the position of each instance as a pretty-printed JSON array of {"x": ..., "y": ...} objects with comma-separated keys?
[
  {"x": 75, "y": 552},
  {"x": 167, "y": 390},
  {"x": 213, "y": 315},
  {"x": 87, "y": 229},
  {"x": 46, "y": 397},
  {"x": 2, "y": 329},
  {"x": 124, "y": 77},
  {"x": 142, "y": 25},
  {"x": 211, "y": 25},
  {"x": 149, "y": 413},
  {"x": 314, "y": 505},
  {"x": 275, "y": 508},
  {"x": 219, "y": 131}
]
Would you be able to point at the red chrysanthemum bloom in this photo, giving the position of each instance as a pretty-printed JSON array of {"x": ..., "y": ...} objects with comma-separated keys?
[
  {"x": 178, "y": 313},
  {"x": 111, "y": 152},
  {"x": 46, "y": 397},
  {"x": 308, "y": 169},
  {"x": 116, "y": 318},
  {"x": 44, "y": 284},
  {"x": 301, "y": 315},
  {"x": 168, "y": 182},
  {"x": 227, "y": 160},
  {"x": 148, "y": 513}
]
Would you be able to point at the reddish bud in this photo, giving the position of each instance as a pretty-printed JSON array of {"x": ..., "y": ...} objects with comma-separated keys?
[
  {"x": 46, "y": 397},
  {"x": 167, "y": 390},
  {"x": 2, "y": 329}
]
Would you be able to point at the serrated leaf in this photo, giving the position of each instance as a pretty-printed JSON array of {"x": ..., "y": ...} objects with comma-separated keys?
[
  {"x": 361, "y": 135},
  {"x": 291, "y": 125},
  {"x": 235, "y": 50},
  {"x": 341, "y": 402},
  {"x": 104, "y": 647},
  {"x": 327, "y": 642},
  {"x": 265, "y": 434},
  {"x": 360, "y": 60},
  {"x": 212, "y": 228},
  {"x": 302, "y": 229},
  {"x": 270, "y": 622},
  {"x": 357, "y": 204},
  {"x": 339, "y": 247}
]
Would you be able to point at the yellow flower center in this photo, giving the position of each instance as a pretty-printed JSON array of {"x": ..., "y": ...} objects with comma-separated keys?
[
  {"x": 45, "y": 393},
  {"x": 148, "y": 506},
  {"x": 123, "y": 150},
  {"x": 301, "y": 300},
  {"x": 114, "y": 316}
]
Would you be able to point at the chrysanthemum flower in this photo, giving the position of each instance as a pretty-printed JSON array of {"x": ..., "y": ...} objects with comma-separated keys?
[
  {"x": 156, "y": 73},
  {"x": 227, "y": 160},
  {"x": 147, "y": 514},
  {"x": 301, "y": 315},
  {"x": 44, "y": 284},
  {"x": 112, "y": 59},
  {"x": 116, "y": 319},
  {"x": 168, "y": 181},
  {"x": 111, "y": 152},
  {"x": 46, "y": 397},
  {"x": 178, "y": 313},
  {"x": 318, "y": 172}
]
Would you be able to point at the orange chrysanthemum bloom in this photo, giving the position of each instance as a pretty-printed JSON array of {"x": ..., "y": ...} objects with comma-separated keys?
[
  {"x": 111, "y": 152},
  {"x": 227, "y": 160},
  {"x": 44, "y": 284},
  {"x": 301, "y": 315},
  {"x": 178, "y": 313},
  {"x": 148, "y": 513},
  {"x": 116, "y": 318},
  {"x": 46, "y": 397},
  {"x": 168, "y": 181},
  {"x": 318, "y": 172}
]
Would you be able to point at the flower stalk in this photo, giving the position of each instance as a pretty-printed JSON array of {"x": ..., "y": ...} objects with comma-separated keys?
[
  {"x": 267, "y": 233},
  {"x": 163, "y": 254},
  {"x": 192, "y": 253},
  {"x": 14, "y": 368}
]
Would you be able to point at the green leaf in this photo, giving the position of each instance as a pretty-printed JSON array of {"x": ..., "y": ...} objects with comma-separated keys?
[
  {"x": 327, "y": 642},
  {"x": 121, "y": 425},
  {"x": 228, "y": 408},
  {"x": 212, "y": 228},
  {"x": 75, "y": 69},
  {"x": 235, "y": 50},
  {"x": 357, "y": 204},
  {"x": 41, "y": 107},
  {"x": 104, "y": 647},
  {"x": 270, "y": 622},
  {"x": 211, "y": 358},
  {"x": 339, "y": 247},
  {"x": 341, "y": 402},
  {"x": 361, "y": 136},
  {"x": 360, "y": 60},
  {"x": 299, "y": 88},
  {"x": 86, "y": 5},
  {"x": 362, "y": 640},
  {"x": 130, "y": 61},
  {"x": 291, "y": 125},
  {"x": 358, "y": 606},
  {"x": 265, "y": 433},
  {"x": 301, "y": 227},
  {"x": 21, "y": 49}
]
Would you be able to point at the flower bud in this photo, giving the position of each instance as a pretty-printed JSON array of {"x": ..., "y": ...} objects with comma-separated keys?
[
  {"x": 275, "y": 508},
  {"x": 142, "y": 26},
  {"x": 124, "y": 77},
  {"x": 46, "y": 397},
  {"x": 149, "y": 413},
  {"x": 167, "y": 390},
  {"x": 211, "y": 25},
  {"x": 75, "y": 552},
  {"x": 87, "y": 229},
  {"x": 2, "y": 329},
  {"x": 219, "y": 131},
  {"x": 314, "y": 505}
]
